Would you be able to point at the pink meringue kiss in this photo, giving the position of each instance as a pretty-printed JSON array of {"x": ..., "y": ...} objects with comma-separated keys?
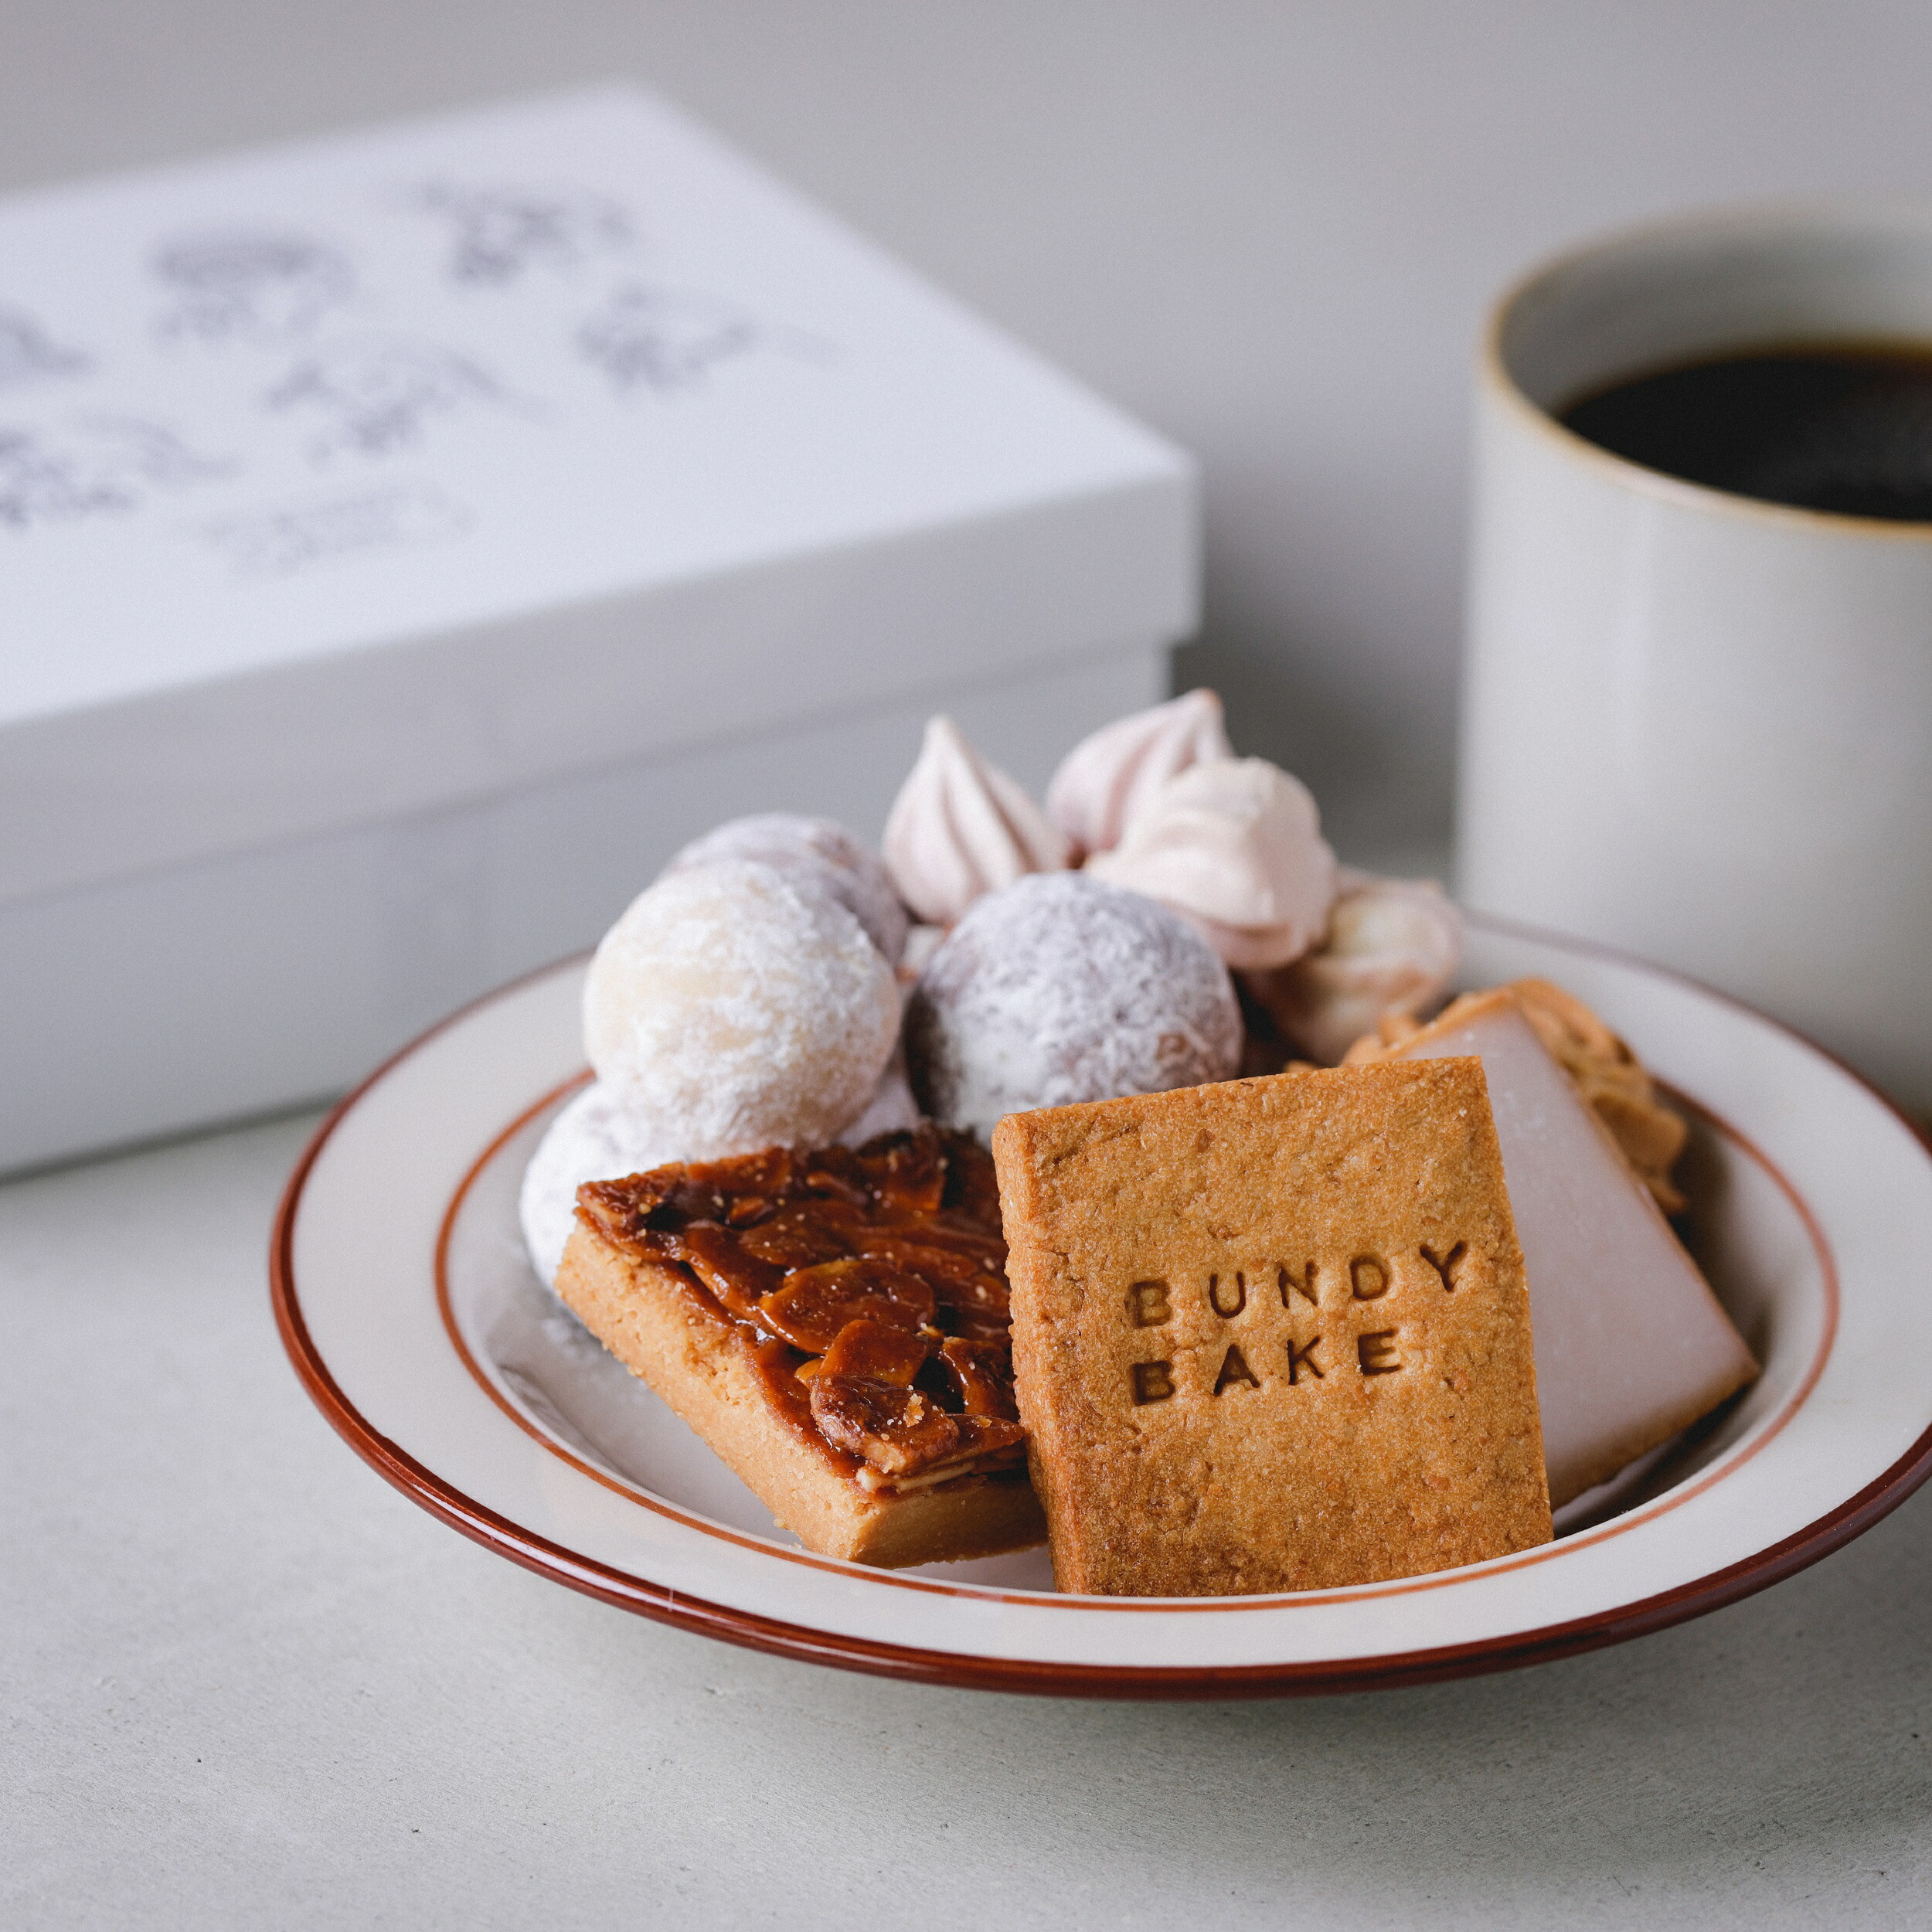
[
  {"x": 1394, "y": 945},
  {"x": 1103, "y": 782},
  {"x": 1236, "y": 846},
  {"x": 961, "y": 827}
]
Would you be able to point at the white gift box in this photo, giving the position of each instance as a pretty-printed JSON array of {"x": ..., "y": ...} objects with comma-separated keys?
[{"x": 408, "y": 539}]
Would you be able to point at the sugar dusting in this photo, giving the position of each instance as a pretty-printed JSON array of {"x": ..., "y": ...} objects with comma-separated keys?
[
  {"x": 1060, "y": 989},
  {"x": 594, "y": 1138},
  {"x": 729, "y": 1011},
  {"x": 815, "y": 853}
]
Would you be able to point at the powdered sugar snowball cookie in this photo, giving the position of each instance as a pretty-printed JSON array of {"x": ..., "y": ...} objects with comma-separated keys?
[
  {"x": 740, "y": 1011},
  {"x": 818, "y": 851},
  {"x": 1236, "y": 847},
  {"x": 594, "y": 1138},
  {"x": 1103, "y": 782},
  {"x": 1393, "y": 946},
  {"x": 961, "y": 827},
  {"x": 1062, "y": 988}
]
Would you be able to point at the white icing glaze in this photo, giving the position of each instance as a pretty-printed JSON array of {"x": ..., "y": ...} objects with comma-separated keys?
[
  {"x": 735, "y": 1012},
  {"x": 1393, "y": 946},
  {"x": 961, "y": 827},
  {"x": 594, "y": 1138},
  {"x": 1236, "y": 847},
  {"x": 1061, "y": 988},
  {"x": 1602, "y": 1264},
  {"x": 1103, "y": 782},
  {"x": 818, "y": 851}
]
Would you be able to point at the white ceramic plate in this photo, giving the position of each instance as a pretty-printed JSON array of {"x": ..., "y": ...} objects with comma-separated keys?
[{"x": 409, "y": 1309}]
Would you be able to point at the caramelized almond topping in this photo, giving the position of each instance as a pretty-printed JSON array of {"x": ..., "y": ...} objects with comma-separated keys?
[
  {"x": 867, "y": 1285},
  {"x": 976, "y": 1279},
  {"x": 871, "y": 1351},
  {"x": 794, "y": 1237},
  {"x": 815, "y": 1303},
  {"x": 863, "y": 1399},
  {"x": 778, "y": 1365},
  {"x": 736, "y": 1278},
  {"x": 982, "y": 1374}
]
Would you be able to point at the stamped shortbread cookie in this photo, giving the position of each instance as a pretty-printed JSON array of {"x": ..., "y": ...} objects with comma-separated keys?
[{"x": 1273, "y": 1335}]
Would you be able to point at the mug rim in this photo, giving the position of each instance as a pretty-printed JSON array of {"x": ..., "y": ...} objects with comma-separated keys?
[{"x": 1494, "y": 378}]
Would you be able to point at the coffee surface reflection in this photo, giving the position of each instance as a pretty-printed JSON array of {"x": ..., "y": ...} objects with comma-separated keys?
[{"x": 1844, "y": 427}]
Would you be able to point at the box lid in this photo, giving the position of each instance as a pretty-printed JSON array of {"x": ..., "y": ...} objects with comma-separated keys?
[{"x": 353, "y": 477}]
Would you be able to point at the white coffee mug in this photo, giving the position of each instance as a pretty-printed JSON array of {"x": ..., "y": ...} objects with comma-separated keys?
[{"x": 1696, "y": 724}]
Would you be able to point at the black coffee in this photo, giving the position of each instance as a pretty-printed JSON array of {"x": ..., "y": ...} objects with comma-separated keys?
[{"x": 1845, "y": 427}]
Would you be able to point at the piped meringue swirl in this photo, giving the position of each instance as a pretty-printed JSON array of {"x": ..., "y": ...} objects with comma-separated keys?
[
  {"x": 1235, "y": 846},
  {"x": 1105, "y": 780},
  {"x": 961, "y": 827}
]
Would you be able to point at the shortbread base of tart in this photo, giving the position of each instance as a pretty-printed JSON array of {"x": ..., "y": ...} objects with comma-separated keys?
[{"x": 641, "y": 1310}]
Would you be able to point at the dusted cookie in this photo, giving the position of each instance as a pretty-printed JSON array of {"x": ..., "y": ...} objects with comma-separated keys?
[
  {"x": 811, "y": 852},
  {"x": 728, "y": 1011},
  {"x": 1060, "y": 989},
  {"x": 594, "y": 1138}
]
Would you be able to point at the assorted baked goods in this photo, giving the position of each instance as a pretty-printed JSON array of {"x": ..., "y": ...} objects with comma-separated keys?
[{"x": 1398, "y": 1294}]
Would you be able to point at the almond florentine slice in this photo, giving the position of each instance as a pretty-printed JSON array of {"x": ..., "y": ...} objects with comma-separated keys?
[{"x": 880, "y": 1260}]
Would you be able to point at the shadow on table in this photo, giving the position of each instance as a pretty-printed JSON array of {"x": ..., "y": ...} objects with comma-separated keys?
[{"x": 1782, "y": 1742}]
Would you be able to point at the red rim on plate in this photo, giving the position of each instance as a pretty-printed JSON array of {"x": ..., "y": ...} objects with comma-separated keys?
[{"x": 1818, "y": 1538}]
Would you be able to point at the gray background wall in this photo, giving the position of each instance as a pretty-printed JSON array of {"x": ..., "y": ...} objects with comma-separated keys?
[{"x": 1271, "y": 228}]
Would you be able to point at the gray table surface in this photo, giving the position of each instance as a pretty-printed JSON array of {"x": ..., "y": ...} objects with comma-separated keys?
[{"x": 248, "y": 1684}]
